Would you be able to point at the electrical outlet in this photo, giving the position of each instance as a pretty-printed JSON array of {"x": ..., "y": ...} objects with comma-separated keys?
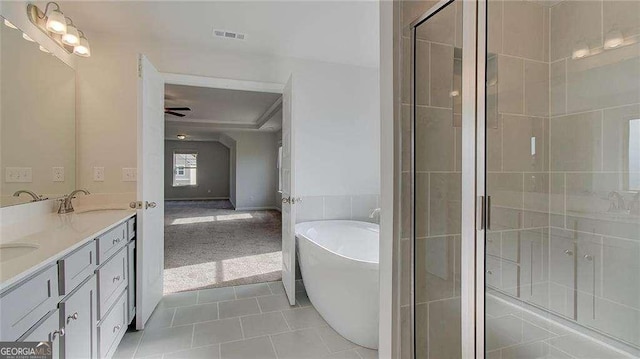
[
  {"x": 98, "y": 174},
  {"x": 129, "y": 174},
  {"x": 58, "y": 174},
  {"x": 17, "y": 174}
]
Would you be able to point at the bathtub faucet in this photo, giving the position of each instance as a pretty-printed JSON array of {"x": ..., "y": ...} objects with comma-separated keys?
[{"x": 374, "y": 212}]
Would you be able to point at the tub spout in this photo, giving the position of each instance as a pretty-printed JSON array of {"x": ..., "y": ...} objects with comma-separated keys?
[{"x": 374, "y": 212}]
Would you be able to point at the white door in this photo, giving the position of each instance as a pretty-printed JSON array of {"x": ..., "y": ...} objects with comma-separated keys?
[
  {"x": 150, "y": 221},
  {"x": 288, "y": 199}
]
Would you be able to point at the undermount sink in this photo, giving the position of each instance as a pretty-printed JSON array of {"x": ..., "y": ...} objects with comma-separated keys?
[
  {"x": 89, "y": 210},
  {"x": 15, "y": 250}
]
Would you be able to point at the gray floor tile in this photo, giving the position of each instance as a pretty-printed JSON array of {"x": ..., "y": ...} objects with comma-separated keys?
[
  {"x": 158, "y": 341},
  {"x": 256, "y": 348},
  {"x": 195, "y": 314},
  {"x": 237, "y": 308},
  {"x": 216, "y": 295},
  {"x": 276, "y": 287},
  {"x": 367, "y": 353},
  {"x": 347, "y": 354},
  {"x": 299, "y": 285},
  {"x": 217, "y": 331},
  {"x": 581, "y": 347},
  {"x": 179, "y": 299},
  {"x": 252, "y": 290},
  {"x": 300, "y": 344},
  {"x": 161, "y": 318},
  {"x": 303, "y": 318},
  {"x": 272, "y": 303},
  {"x": 264, "y": 324},
  {"x": 128, "y": 345},
  {"x": 334, "y": 341},
  {"x": 208, "y": 352},
  {"x": 302, "y": 299}
]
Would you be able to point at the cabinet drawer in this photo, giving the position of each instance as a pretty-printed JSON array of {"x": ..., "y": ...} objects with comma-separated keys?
[
  {"x": 131, "y": 300},
  {"x": 112, "y": 279},
  {"x": 77, "y": 267},
  {"x": 48, "y": 330},
  {"x": 131, "y": 228},
  {"x": 112, "y": 328},
  {"x": 110, "y": 242},
  {"x": 25, "y": 305},
  {"x": 77, "y": 312}
]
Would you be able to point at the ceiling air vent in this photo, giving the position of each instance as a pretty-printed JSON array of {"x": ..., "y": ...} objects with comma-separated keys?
[{"x": 229, "y": 34}]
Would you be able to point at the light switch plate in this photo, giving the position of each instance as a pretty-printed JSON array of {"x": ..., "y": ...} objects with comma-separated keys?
[
  {"x": 98, "y": 174},
  {"x": 18, "y": 174},
  {"x": 129, "y": 174},
  {"x": 58, "y": 174}
]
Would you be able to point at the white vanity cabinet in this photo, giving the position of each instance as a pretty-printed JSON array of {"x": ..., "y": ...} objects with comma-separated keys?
[{"x": 82, "y": 302}]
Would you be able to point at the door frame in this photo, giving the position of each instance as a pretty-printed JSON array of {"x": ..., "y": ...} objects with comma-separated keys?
[{"x": 473, "y": 170}]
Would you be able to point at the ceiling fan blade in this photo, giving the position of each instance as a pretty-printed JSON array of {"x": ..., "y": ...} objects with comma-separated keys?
[
  {"x": 178, "y": 108},
  {"x": 174, "y": 113}
]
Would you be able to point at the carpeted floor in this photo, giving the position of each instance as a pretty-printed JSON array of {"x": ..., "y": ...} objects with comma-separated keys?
[{"x": 208, "y": 244}]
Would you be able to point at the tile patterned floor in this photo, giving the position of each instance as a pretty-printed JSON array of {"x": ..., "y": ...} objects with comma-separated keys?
[
  {"x": 513, "y": 333},
  {"x": 251, "y": 321}
]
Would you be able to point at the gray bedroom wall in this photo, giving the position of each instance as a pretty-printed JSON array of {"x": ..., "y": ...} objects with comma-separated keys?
[{"x": 213, "y": 171}]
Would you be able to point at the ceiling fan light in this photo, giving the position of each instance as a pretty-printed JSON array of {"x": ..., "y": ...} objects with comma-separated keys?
[
  {"x": 56, "y": 22},
  {"x": 72, "y": 37},
  {"x": 82, "y": 49}
]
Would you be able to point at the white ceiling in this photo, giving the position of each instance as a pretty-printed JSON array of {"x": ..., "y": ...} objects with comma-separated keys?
[
  {"x": 214, "y": 110},
  {"x": 334, "y": 31}
]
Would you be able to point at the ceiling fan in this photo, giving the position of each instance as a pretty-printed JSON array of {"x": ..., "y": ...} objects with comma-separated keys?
[{"x": 171, "y": 111}]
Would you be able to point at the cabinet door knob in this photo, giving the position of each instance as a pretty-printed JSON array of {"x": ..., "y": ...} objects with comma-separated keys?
[
  {"x": 116, "y": 241},
  {"x": 116, "y": 328},
  {"x": 588, "y": 257},
  {"x": 568, "y": 252},
  {"x": 489, "y": 272},
  {"x": 57, "y": 333},
  {"x": 73, "y": 316},
  {"x": 116, "y": 278}
]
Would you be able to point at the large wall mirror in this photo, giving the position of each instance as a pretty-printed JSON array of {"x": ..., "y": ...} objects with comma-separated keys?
[{"x": 37, "y": 121}]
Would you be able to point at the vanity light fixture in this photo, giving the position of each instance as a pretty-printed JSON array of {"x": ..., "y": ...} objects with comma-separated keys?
[
  {"x": 72, "y": 37},
  {"x": 613, "y": 39},
  {"x": 44, "y": 50},
  {"x": 182, "y": 137},
  {"x": 9, "y": 24},
  {"x": 59, "y": 28},
  {"x": 82, "y": 49}
]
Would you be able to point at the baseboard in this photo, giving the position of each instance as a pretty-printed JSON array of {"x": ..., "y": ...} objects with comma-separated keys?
[
  {"x": 197, "y": 199},
  {"x": 273, "y": 208}
]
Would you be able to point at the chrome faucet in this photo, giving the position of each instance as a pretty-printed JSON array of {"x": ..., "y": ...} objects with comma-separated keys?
[
  {"x": 33, "y": 195},
  {"x": 65, "y": 203},
  {"x": 374, "y": 212},
  {"x": 617, "y": 202}
]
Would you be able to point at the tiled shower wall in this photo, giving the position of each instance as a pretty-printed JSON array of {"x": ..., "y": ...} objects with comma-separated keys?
[
  {"x": 356, "y": 207},
  {"x": 557, "y": 147}
]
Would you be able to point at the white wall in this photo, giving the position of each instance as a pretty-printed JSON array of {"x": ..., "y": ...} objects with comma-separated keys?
[
  {"x": 256, "y": 156},
  {"x": 335, "y": 111}
]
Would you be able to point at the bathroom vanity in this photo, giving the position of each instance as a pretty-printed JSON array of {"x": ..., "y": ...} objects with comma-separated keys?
[{"x": 69, "y": 280}]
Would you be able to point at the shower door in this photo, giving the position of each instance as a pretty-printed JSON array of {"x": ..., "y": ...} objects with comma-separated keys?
[
  {"x": 443, "y": 49},
  {"x": 562, "y": 124}
]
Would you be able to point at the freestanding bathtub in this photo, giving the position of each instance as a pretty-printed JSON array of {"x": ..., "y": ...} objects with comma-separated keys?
[{"x": 339, "y": 265}]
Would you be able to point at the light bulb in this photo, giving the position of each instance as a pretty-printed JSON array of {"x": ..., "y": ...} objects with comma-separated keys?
[
  {"x": 613, "y": 39},
  {"x": 72, "y": 37},
  {"x": 82, "y": 49},
  {"x": 56, "y": 23},
  {"x": 9, "y": 24},
  {"x": 580, "y": 50},
  {"x": 182, "y": 137},
  {"x": 43, "y": 49},
  {"x": 26, "y": 37}
]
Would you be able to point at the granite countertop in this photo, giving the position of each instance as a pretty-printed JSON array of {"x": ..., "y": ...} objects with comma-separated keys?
[{"x": 45, "y": 239}]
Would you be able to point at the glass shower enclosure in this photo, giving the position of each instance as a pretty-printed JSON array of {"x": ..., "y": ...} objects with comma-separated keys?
[{"x": 524, "y": 171}]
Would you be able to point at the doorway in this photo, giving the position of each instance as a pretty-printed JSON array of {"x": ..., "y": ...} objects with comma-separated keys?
[{"x": 222, "y": 203}]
